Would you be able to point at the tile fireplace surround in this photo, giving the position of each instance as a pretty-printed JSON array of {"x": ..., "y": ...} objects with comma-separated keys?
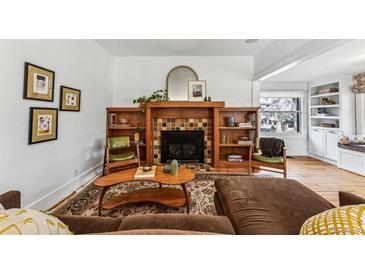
[{"x": 182, "y": 124}]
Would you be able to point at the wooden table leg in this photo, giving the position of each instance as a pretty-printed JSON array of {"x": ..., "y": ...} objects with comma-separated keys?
[
  {"x": 187, "y": 197},
  {"x": 102, "y": 194},
  {"x": 249, "y": 160}
]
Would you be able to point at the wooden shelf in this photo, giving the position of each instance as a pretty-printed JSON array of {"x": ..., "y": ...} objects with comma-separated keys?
[
  {"x": 127, "y": 128},
  {"x": 325, "y": 117},
  {"x": 325, "y": 94},
  {"x": 225, "y": 163},
  {"x": 187, "y": 104},
  {"x": 235, "y": 145},
  {"x": 237, "y": 128},
  {"x": 167, "y": 196},
  {"x": 328, "y": 128}
]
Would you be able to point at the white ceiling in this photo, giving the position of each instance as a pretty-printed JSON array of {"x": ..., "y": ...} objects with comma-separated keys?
[
  {"x": 347, "y": 58},
  {"x": 183, "y": 47}
]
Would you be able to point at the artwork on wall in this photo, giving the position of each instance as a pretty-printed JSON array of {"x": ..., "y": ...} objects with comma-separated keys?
[
  {"x": 43, "y": 124},
  {"x": 197, "y": 90},
  {"x": 70, "y": 99},
  {"x": 38, "y": 83}
]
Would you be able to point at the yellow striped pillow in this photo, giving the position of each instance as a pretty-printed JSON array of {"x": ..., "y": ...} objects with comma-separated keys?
[
  {"x": 18, "y": 221},
  {"x": 345, "y": 220}
]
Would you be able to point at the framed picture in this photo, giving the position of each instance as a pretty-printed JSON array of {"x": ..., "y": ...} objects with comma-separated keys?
[
  {"x": 43, "y": 124},
  {"x": 197, "y": 90},
  {"x": 70, "y": 99},
  {"x": 38, "y": 83}
]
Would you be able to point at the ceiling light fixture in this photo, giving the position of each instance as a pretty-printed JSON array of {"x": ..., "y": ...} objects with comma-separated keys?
[{"x": 251, "y": 41}]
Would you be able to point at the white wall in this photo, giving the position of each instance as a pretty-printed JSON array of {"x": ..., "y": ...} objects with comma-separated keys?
[
  {"x": 228, "y": 78},
  {"x": 47, "y": 172},
  {"x": 295, "y": 143}
]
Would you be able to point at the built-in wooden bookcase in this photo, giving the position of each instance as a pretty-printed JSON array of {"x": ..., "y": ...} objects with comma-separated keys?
[
  {"x": 226, "y": 136},
  {"x": 136, "y": 122},
  {"x": 142, "y": 122}
]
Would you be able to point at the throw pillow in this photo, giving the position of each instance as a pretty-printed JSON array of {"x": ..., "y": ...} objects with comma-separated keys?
[
  {"x": 346, "y": 220},
  {"x": 17, "y": 221}
]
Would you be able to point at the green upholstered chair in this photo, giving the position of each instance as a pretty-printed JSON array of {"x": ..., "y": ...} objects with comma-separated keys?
[
  {"x": 120, "y": 152},
  {"x": 273, "y": 164}
]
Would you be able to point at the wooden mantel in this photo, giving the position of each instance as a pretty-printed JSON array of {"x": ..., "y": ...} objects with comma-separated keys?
[{"x": 187, "y": 104}]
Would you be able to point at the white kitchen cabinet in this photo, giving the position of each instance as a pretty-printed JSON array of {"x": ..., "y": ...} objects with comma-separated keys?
[
  {"x": 323, "y": 143},
  {"x": 330, "y": 142},
  {"x": 316, "y": 141}
]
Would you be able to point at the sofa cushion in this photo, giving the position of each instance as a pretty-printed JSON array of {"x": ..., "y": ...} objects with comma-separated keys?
[
  {"x": 201, "y": 223},
  {"x": 267, "y": 205},
  {"x": 347, "y": 198},
  {"x": 155, "y": 232},
  {"x": 90, "y": 224},
  {"x": 346, "y": 220},
  {"x": 272, "y": 160}
]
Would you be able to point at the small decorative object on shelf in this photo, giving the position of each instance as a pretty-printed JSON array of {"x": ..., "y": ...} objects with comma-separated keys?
[
  {"x": 123, "y": 122},
  {"x": 136, "y": 137},
  {"x": 244, "y": 125},
  {"x": 230, "y": 121},
  {"x": 327, "y": 101},
  {"x": 174, "y": 167},
  {"x": 112, "y": 119},
  {"x": 224, "y": 138},
  {"x": 327, "y": 90}
]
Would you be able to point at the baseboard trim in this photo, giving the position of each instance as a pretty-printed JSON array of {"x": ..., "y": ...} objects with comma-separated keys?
[{"x": 61, "y": 192}]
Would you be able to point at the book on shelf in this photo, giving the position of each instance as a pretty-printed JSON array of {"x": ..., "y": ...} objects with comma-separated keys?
[
  {"x": 244, "y": 125},
  {"x": 235, "y": 160},
  {"x": 120, "y": 126},
  {"x": 140, "y": 174},
  {"x": 244, "y": 142}
]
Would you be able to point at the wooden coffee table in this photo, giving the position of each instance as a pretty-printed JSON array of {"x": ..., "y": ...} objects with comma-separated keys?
[{"x": 162, "y": 195}]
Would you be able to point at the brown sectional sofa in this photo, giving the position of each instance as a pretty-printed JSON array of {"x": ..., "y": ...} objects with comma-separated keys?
[{"x": 246, "y": 205}]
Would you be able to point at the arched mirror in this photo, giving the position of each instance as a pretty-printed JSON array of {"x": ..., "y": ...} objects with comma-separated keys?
[{"x": 177, "y": 82}]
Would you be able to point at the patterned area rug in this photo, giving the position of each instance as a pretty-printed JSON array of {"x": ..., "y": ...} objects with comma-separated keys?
[{"x": 85, "y": 202}]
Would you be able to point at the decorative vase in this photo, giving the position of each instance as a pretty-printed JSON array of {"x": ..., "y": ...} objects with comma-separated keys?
[
  {"x": 136, "y": 137},
  {"x": 230, "y": 121},
  {"x": 174, "y": 166}
]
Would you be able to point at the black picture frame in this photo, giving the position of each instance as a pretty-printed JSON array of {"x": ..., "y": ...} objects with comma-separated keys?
[
  {"x": 31, "y": 116},
  {"x": 62, "y": 90},
  {"x": 25, "y": 86}
]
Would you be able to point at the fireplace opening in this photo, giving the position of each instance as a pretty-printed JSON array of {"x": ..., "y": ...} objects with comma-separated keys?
[{"x": 184, "y": 146}]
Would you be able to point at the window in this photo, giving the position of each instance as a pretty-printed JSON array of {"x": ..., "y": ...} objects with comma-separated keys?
[{"x": 281, "y": 114}]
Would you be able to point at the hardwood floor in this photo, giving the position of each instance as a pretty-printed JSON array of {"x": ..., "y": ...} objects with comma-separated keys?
[{"x": 323, "y": 178}]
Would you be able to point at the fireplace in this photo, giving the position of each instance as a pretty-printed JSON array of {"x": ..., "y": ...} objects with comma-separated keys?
[{"x": 184, "y": 146}]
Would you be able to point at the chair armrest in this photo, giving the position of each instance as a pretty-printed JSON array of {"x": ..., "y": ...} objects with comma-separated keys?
[
  {"x": 10, "y": 199},
  {"x": 89, "y": 224},
  {"x": 284, "y": 151}
]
